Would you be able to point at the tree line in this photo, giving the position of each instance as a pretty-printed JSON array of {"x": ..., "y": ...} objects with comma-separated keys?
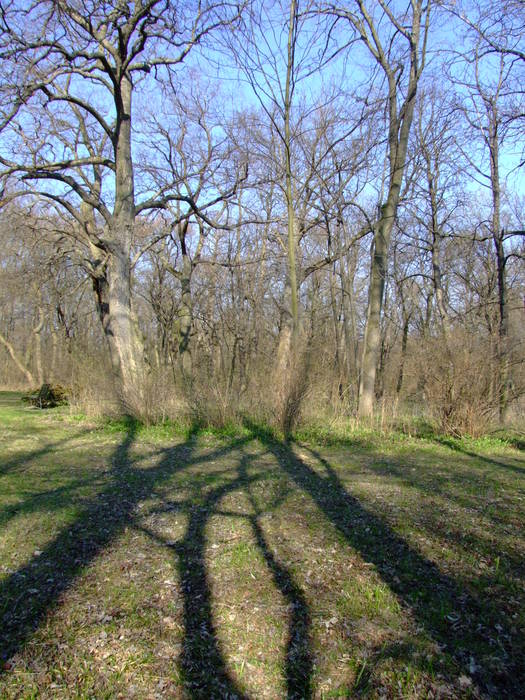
[{"x": 266, "y": 206}]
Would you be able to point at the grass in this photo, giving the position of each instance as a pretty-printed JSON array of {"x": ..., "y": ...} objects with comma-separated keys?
[{"x": 174, "y": 562}]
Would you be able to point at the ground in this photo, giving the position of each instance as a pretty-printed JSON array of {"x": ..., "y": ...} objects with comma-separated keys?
[{"x": 136, "y": 564}]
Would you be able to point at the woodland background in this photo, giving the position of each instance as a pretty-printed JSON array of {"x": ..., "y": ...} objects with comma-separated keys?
[{"x": 297, "y": 211}]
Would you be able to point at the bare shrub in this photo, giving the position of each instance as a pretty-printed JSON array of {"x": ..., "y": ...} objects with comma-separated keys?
[
  {"x": 458, "y": 382},
  {"x": 92, "y": 391}
]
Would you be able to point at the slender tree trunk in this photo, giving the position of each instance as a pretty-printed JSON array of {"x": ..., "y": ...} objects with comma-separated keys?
[
  {"x": 352, "y": 355},
  {"x": 54, "y": 355},
  {"x": 497, "y": 237},
  {"x": 437, "y": 277},
  {"x": 372, "y": 339},
  {"x": 404, "y": 342},
  {"x": 503, "y": 332},
  {"x": 37, "y": 334},
  {"x": 399, "y": 124},
  {"x": 379, "y": 265},
  {"x": 18, "y": 362},
  {"x": 185, "y": 320},
  {"x": 292, "y": 236}
]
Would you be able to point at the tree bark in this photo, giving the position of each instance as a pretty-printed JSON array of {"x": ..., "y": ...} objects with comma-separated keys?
[
  {"x": 497, "y": 238},
  {"x": 185, "y": 319},
  {"x": 126, "y": 347},
  {"x": 400, "y": 121}
]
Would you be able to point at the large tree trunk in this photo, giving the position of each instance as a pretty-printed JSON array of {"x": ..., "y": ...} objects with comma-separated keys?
[
  {"x": 99, "y": 277},
  {"x": 110, "y": 270},
  {"x": 126, "y": 348},
  {"x": 285, "y": 345},
  {"x": 287, "y": 388},
  {"x": 127, "y": 351}
]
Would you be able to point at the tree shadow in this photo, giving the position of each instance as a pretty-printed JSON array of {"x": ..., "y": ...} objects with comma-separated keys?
[
  {"x": 202, "y": 662},
  {"x": 57, "y": 498},
  {"x": 457, "y": 620},
  {"x": 298, "y": 655},
  {"x": 29, "y": 594},
  {"x": 32, "y": 592},
  {"x": 458, "y": 488},
  {"x": 454, "y": 445},
  {"x": 31, "y": 455},
  {"x": 34, "y": 589}
]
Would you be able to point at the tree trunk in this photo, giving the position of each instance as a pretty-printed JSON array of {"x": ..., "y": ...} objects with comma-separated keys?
[
  {"x": 185, "y": 320},
  {"x": 285, "y": 386},
  {"x": 37, "y": 332},
  {"x": 126, "y": 348},
  {"x": 372, "y": 339},
  {"x": 349, "y": 323},
  {"x": 404, "y": 341},
  {"x": 399, "y": 123},
  {"x": 18, "y": 362},
  {"x": 497, "y": 237}
]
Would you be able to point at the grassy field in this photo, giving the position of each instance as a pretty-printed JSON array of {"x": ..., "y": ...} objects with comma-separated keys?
[{"x": 138, "y": 565}]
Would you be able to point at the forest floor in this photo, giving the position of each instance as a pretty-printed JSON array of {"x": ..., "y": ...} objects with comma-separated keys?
[{"x": 137, "y": 566}]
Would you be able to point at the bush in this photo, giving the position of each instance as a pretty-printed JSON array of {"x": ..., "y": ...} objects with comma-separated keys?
[
  {"x": 48, "y": 396},
  {"x": 458, "y": 387}
]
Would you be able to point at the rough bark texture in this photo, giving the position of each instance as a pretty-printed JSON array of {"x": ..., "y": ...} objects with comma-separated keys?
[
  {"x": 127, "y": 352},
  {"x": 286, "y": 390}
]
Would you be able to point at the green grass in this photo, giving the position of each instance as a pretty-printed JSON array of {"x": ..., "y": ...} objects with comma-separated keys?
[{"x": 178, "y": 561}]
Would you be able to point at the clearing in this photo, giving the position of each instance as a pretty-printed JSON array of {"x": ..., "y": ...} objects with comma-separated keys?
[{"x": 133, "y": 564}]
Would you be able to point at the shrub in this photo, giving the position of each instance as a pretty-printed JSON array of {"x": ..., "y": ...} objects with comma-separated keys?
[{"x": 48, "y": 396}]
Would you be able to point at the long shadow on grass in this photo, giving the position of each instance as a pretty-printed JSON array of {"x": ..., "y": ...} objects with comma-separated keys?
[
  {"x": 430, "y": 594},
  {"x": 32, "y": 455},
  {"x": 454, "y": 445},
  {"x": 456, "y": 487},
  {"x": 27, "y": 595},
  {"x": 202, "y": 663},
  {"x": 33, "y": 591},
  {"x": 56, "y": 499},
  {"x": 298, "y": 655}
]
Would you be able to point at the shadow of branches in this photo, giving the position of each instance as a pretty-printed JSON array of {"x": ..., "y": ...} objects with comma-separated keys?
[
  {"x": 459, "y": 621},
  {"x": 32, "y": 592}
]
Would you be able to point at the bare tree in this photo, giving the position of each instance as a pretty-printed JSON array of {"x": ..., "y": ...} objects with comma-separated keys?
[
  {"x": 74, "y": 75},
  {"x": 484, "y": 92},
  {"x": 397, "y": 42}
]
